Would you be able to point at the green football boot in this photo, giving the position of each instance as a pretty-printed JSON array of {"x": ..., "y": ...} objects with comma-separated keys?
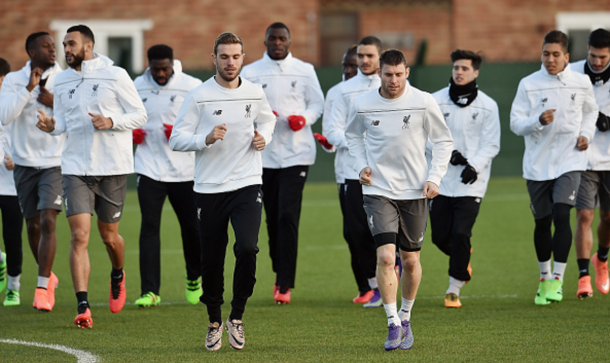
[
  {"x": 148, "y": 300},
  {"x": 541, "y": 294},
  {"x": 193, "y": 291},
  {"x": 12, "y": 298},
  {"x": 555, "y": 291}
]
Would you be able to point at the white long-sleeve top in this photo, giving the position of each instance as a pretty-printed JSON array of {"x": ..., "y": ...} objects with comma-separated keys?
[
  {"x": 154, "y": 158},
  {"x": 476, "y": 135},
  {"x": 550, "y": 150},
  {"x": 232, "y": 163},
  {"x": 107, "y": 90},
  {"x": 395, "y": 144},
  {"x": 331, "y": 97},
  {"x": 599, "y": 149},
  {"x": 292, "y": 88},
  {"x": 7, "y": 183},
  {"x": 339, "y": 116},
  {"x": 30, "y": 147}
]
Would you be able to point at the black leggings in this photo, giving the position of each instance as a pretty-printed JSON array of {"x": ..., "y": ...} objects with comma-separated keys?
[{"x": 12, "y": 225}]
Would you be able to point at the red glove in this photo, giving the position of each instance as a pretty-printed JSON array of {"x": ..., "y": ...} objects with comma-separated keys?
[
  {"x": 138, "y": 136},
  {"x": 321, "y": 139},
  {"x": 296, "y": 122},
  {"x": 276, "y": 114},
  {"x": 168, "y": 130}
]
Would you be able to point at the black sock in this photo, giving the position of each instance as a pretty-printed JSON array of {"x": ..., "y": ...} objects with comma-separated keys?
[
  {"x": 117, "y": 275},
  {"x": 602, "y": 253},
  {"x": 583, "y": 267},
  {"x": 83, "y": 302}
]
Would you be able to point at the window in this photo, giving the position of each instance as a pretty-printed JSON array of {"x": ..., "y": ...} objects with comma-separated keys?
[
  {"x": 338, "y": 31},
  {"x": 578, "y": 25},
  {"x": 120, "y": 40}
]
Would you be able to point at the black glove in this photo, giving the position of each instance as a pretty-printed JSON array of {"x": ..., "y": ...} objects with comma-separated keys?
[
  {"x": 469, "y": 175},
  {"x": 603, "y": 124},
  {"x": 458, "y": 159}
]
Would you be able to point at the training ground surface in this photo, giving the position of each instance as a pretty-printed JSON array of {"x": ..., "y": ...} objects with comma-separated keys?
[{"x": 498, "y": 322}]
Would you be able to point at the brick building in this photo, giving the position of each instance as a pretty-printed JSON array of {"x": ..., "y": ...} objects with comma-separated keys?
[{"x": 504, "y": 30}]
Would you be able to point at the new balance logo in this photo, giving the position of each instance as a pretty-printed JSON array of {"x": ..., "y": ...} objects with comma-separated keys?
[
  {"x": 65, "y": 202},
  {"x": 371, "y": 224},
  {"x": 405, "y": 122},
  {"x": 172, "y": 98},
  {"x": 259, "y": 199},
  {"x": 144, "y": 100},
  {"x": 217, "y": 112},
  {"x": 375, "y": 123},
  {"x": 248, "y": 111},
  {"x": 573, "y": 196},
  {"x": 58, "y": 200},
  {"x": 199, "y": 213},
  {"x": 462, "y": 101},
  {"x": 477, "y": 200},
  {"x": 446, "y": 115},
  {"x": 303, "y": 174},
  {"x": 70, "y": 93},
  {"x": 264, "y": 85},
  {"x": 116, "y": 215}
]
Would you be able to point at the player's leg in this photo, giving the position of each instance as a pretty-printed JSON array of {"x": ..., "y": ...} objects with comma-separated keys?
[
  {"x": 600, "y": 258},
  {"x": 270, "y": 190},
  {"x": 26, "y": 183},
  {"x": 586, "y": 203},
  {"x": 12, "y": 225},
  {"x": 151, "y": 197},
  {"x": 441, "y": 222},
  {"x": 290, "y": 195},
  {"x": 181, "y": 198}
]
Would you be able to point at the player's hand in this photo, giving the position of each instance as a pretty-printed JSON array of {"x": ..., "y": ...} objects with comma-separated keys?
[
  {"x": 35, "y": 75},
  {"x": 217, "y": 134},
  {"x": 321, "y": 139},
  {"x": 603, "y": 123},
  {"x": 138, "y": 136},
  {"x": 469, "y": 175},
  {"x": 582, "y": 143},
  {"x": 457, "y": 158},
  {"x": 100, "y": 122},
  {"x": 430, "y": 190},
  {"x": 365, "y": 176},
  {"x": 296, "y": 122},
  {"x": 45, "y": 122},
  {"x": 8, "y": 163},
  {"x": 168, "y": 131},
  {"x": 547, "y": 117},
  {"x": 45, "y": 97},
  {"x": 258, "y": 141}
]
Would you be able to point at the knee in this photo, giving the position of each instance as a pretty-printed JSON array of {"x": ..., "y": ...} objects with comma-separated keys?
[
  {"x": 79, "y": 237},
  {"x": 604, "y": 218},
  {"x": 246, "y": 249},
  {"x": 48, "y": 224},
  {"x": 33, "y": 225},
  {"x": 410, "y": 264},
  {"x": 110, "y": 239},
  {"x": 386, "y": 260},
  {"x": 561, "y": 214},
  {"x": 586, "y": 216}
]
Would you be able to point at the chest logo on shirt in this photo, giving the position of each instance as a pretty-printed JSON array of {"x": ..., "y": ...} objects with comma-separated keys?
[
  {"x": 293, "y": 84},
  {"x": 375, "y": 123},
  {"x": 144, "y": 100},
  {"x": 474, "y": 117},
  {"x": 544, "y": 101},
  {"x": 248, "y": 110},
  {"x": 172, "y": 98},
  {"x": 264, "y": 85},
  {"x": 406, "y": 122},
  {"x": 446, "y": 115},
  {"x": 71, "y": 93},
  {"x": 573, "y": 98},
  {"x": 94, "y": 89},
  {"x": 217, "y": 112}
]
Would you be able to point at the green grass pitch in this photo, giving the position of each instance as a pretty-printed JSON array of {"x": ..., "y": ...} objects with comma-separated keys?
[{"x": 498, "y": 322}]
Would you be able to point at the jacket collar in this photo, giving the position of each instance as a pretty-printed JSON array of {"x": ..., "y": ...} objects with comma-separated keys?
[
  {"x": 561, "y": 75},
  {"x": 172, "y": 79},
  {"x": 282, "y": 62},
  {"x": 51, "y": 70},
  {"x": 98, "y": 62},
  {"x": 369, "y": 76}
]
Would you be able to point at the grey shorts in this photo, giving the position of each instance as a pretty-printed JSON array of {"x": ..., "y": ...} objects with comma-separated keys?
[
  {"x": 543, "y": 194},
  {"x": 407, "y": 218},
  {"x": 594, "y": 190},
  {"x": 103, "y": 194},
  {"x": 38, "y": 189}
]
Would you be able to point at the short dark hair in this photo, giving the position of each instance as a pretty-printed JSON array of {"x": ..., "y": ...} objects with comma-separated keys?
[
  {"x": 392, "y": 57},
  {"x": 371, "y": 40},
  {"x": 4, "y": 67},
  {"x": 599, "y": 38},
  {"x": 84, "y": 30},
  {"x": 277, "y": 25},
  {"x": 351, "y": 50},
  {"x": 160, "y": 51},
  {"x": 557, "y": 37},
  {"x": 29, "y": 42},
  {"x": 467, "y": 54},
  {"x": 227, "y": 38}
]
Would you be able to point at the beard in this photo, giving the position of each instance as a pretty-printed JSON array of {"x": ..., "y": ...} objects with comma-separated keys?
[
  {"x": 224, "y": 75},
  {"x": 77, "y": 59}
]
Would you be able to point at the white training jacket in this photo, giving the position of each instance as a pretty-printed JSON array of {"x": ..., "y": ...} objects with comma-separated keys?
[
  {"x": 30, "y": 147},
  {"x": 232, "y": 163},
  {"x": 476, "y": 135},
  {"x": 103, "y": 89},
  {"x": 339, "y": 118},
  {"x": 154, "y": 158},
  {"x": 292, "y": 88},
  {"x": 599, "y": 149},
  {"x": 395, "y": 144},
  {"x": 550, "y": 151},
  {"x": 331, "y": 97},
  {"x": 7, "y": 183}
]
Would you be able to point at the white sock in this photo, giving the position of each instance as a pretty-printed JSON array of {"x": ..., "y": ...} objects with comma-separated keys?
[
  {"x": 373, "y": 283},
  {"x": 545, "y": 269},
  {"x": 405, "y": 309},
  {"x": 454, "y": 286},
  {"x": 559, "y": 269},
  {"x": 13, "y": 282},
  {"x": 43, "y": 282},
  {"x": 390, "y": 310}
]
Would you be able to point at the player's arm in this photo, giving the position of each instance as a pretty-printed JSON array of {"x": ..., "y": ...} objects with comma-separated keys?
[
  {"x": 184, "y": 134},
  {"x": 521, "y": 122},
  {"x": 339, "y": 118},
  {"x": 590, "y": 112},
  {"x": 265, "y": 120},
  {"x": 12, "y": 100},
  {"x": 322, "y": 139},
  {"x": 354, "y": 137},
  {"x": 489, "y": 145},
  {"x": 440, "y": 136},
  {"x": 314, "y": 98},
  {"x": 134, "y": 114}
]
